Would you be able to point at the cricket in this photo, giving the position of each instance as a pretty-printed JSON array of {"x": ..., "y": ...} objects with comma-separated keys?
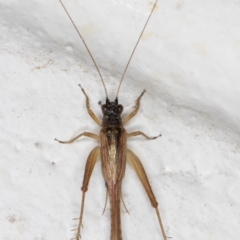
[{"x": 112, "y": 151}]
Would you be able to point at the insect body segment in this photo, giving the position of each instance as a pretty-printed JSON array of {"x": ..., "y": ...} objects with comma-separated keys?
[{"x": 112, "y": 114}]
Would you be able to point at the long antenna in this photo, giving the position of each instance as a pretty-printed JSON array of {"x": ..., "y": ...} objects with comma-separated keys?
[
  {"x": 135, "y": 47},
  {"x": 86, "y": 47}
]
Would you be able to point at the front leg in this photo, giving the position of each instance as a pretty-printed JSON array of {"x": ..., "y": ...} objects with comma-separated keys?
[
  {"x": 86, "y": 134},
  {"x": 134, "y": 112},
  {"x": 90, "y": 112}
]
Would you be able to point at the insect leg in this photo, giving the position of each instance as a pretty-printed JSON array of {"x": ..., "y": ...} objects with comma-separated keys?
[
  {"x": 138, "y": 167},
  {"x": 92, "y": 158},
  {"x": 90, "y": 112},
  {"x": 86, "y": 134},
  {"x": 137, "y": 133},
  {"x": 134, "y": 112}
]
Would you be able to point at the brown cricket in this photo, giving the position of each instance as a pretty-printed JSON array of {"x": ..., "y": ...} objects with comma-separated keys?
[{"x": 113, "y": 151}]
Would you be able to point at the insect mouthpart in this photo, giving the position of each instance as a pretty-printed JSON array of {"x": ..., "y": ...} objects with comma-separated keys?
[{"x": 112, "y": 113}]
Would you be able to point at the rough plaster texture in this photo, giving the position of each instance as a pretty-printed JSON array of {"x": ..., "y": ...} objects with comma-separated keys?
[{"x": 188, "y": 60}]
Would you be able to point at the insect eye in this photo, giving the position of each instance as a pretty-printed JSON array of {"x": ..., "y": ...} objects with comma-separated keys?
[
  {"x": 120, "y": 108},
  {"x": 104, "y": 108}
]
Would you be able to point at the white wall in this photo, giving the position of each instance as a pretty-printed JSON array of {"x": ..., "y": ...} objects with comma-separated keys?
[{"x": 187, "y": 60}]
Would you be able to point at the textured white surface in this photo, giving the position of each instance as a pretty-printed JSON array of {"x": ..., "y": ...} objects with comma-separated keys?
[{"x": 188, "y": 60}]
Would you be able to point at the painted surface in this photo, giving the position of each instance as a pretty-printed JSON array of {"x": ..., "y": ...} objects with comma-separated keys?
[{"x": 187, "y": 60}]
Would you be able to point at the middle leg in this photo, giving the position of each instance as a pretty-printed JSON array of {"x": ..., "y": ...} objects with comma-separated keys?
[
  {"x": 86, "y": 134},
  {"x": 137, "y": 133}
]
